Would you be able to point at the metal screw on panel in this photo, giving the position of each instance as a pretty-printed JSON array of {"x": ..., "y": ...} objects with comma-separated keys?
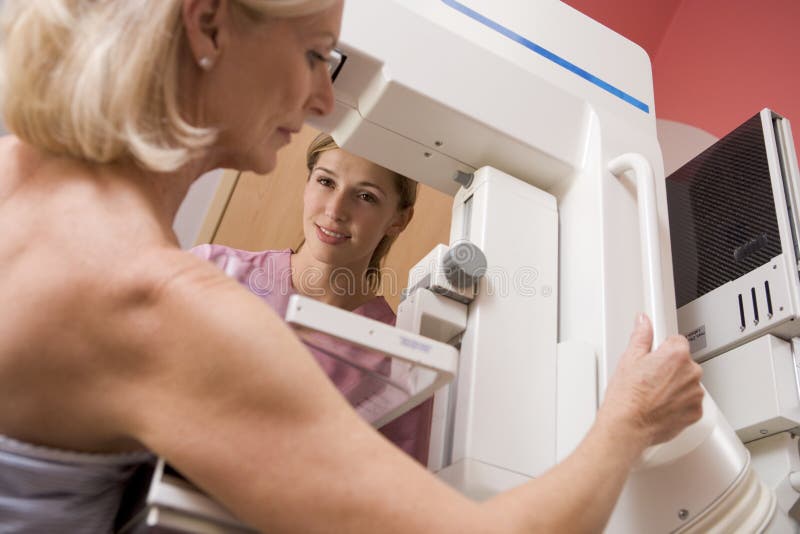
[
  {"x": 741, "y": 328},
  {"x": 763, "y": 431},
  {"x": 438, "y": 143},
  {"x": 428, "y": 154},
  {"x": 683, "y": 513}
]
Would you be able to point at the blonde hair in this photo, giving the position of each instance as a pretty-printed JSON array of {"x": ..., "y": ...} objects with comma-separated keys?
[
  {"x": 98, "y": 79},
  {"x": 406, "y": 189}
]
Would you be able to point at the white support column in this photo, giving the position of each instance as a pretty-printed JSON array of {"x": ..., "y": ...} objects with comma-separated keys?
[{"x": 505, "y": 399}]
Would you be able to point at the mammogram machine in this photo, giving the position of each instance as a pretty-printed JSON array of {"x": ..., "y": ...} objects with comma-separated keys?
[{"x": 541, "y": 124}]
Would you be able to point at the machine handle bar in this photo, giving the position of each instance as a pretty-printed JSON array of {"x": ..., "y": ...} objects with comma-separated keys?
[
  {"x": 695, "y": 434},
  {"x": 648, "y": 236}
]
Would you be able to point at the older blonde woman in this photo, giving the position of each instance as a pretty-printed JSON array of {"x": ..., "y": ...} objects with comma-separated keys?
[{"x": 113, "y": 342}]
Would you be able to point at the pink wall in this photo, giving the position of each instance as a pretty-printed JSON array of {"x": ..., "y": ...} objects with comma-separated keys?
[
  {"x": 715, "y": 62},
  {"x": 721, "y": 61}
]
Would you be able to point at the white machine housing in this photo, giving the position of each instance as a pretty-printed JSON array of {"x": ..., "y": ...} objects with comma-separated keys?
[
  {"x": 461, "y": 95},
  {"x": 553, "y": 114}
]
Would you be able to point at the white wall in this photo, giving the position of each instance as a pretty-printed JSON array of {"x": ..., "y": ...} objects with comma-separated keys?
[
  {"x": 680, "y": 143},
  {"x": 192, "y": 212}
]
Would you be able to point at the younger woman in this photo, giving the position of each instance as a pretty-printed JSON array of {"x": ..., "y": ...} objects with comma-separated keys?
[{"x": 353, "y": 210}]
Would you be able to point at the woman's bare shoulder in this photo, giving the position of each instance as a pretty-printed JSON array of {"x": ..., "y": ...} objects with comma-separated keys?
[{"x": 124, "y": 354}]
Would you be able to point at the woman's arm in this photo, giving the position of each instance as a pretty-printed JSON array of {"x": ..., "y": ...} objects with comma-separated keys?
[{"x": 225, "y": 391}]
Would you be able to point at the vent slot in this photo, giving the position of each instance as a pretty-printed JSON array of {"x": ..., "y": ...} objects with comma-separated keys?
[
  {"x": 741, "y": 313},
  {"x": 769, "y": 299},
  {"x": 755, "y": 305}
]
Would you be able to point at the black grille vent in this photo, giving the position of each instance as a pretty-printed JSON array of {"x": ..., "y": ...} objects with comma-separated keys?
[{"x": 722, "y": 213}]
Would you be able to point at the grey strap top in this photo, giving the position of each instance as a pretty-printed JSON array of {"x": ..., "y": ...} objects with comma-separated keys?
[{"x": 45, "y": 490}]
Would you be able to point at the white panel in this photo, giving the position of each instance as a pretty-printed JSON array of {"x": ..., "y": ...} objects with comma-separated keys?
[
  {"x": 755, "y": 387},
  {"x": 506, "y": 391},
  {"x": 431, "y": 315},
  {"x": 577, "y": 395},
  {"x": 776, "y": 459},
  {"x": 713, "y": 323}
]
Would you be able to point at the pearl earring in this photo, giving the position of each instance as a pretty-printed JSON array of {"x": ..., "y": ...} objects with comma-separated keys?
[{"x": 205, "y": 63}]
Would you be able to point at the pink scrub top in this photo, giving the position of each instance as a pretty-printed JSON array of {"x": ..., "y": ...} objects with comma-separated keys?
[{"x": 267, "y": 274}]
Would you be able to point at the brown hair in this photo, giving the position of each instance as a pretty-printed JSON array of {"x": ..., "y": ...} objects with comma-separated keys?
[{"x": 405, "y": 187}]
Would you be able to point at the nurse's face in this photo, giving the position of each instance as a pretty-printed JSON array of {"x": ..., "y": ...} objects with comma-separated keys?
[{"x": 349, "y": 205}]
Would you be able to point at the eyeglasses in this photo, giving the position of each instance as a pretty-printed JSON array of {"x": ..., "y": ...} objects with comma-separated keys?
[{"x": 335, "y": 63}]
